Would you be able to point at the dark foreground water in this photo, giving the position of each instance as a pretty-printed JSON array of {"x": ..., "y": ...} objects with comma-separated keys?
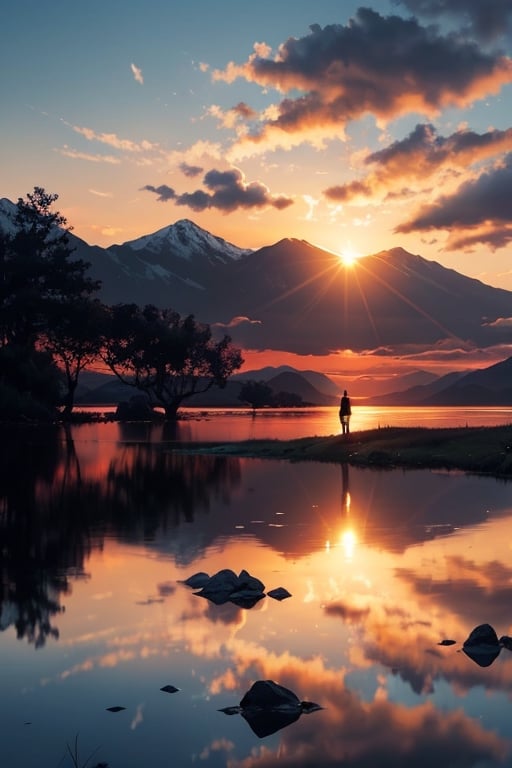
[{"x": 98, "y": 530}]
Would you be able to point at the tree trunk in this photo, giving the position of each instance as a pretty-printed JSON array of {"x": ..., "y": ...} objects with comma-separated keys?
[
  {"x": 171, "y": 411},
  {"x": 69, "y": 401}
]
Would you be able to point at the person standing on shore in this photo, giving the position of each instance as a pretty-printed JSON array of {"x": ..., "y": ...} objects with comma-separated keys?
[{"x": 345, "y": 413}]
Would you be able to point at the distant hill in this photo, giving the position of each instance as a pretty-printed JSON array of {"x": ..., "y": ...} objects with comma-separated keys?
[
  {"x": 319, "y": 381},
  {"x": 486, "y": 387},
  {"x": 101, "y": 389},
  {"x": 376, "y": 387},
  {"x": 297, "y": 384}
]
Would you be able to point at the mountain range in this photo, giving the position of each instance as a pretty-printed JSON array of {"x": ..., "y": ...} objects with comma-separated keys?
[{"x": 292, "y": 296}]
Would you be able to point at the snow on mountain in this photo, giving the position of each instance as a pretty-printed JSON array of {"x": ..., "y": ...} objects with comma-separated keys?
[
  {"x": 7, "y": 213},
  {"x": 185, "y": 239}
]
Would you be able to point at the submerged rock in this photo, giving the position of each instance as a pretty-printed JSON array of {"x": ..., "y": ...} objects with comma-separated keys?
[
  {"x": 506, "y": 642},
  {"x": 198, "y": 580},
  {"x": 482, "y": 646},
  {"x": 244, "y": 590},
  {"x": 267, "y": 694},
  {"x": 268, "y": 707},
  {"x": 280, "y": 593}
]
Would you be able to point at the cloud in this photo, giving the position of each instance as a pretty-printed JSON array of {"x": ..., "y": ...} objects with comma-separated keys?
[
  {"x": 378, "y": 65},
  {"x": 420, "y": 155},
  {"x": 190, "y": 170},
  {"x": 137, "y": 73},
  {"x": 236, "y": 321},
  {"x": 479, "y": 208},
  {"x": 227, "y": 191},
  {"x": 76, "y": 155},
  {"x": 163, "y": 192},
  {"x": 485, "y": 20},
  {"x": 112, "y": 140},
  {"x": 500, "y": 323},
  {"x": 100, "y": 194}
]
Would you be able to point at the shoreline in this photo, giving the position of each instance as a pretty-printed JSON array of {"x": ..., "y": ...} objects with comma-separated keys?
[{"x": 476, "y": 450}]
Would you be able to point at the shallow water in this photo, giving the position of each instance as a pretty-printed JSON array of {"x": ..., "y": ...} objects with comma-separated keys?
[
  {"x": 286, "y": 424},
  {"x": 98, "y": 534}
]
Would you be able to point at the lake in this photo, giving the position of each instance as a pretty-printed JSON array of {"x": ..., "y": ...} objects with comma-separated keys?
[
  {"x": 233, "y": 424},
  {"x": 388, "y": 573}
]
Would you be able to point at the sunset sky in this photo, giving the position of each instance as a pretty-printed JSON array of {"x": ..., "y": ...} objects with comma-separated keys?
[{"x": 354, "y": 128}]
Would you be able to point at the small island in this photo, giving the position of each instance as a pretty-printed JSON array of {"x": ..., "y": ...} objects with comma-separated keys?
[{"x": 478, "y": 450}]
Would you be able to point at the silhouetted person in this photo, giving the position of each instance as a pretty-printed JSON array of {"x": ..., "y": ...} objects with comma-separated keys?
[{"x": 345, "y": 413}]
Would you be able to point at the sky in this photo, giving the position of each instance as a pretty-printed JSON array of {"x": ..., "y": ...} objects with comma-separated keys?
[{"x": 356, "y": 128}]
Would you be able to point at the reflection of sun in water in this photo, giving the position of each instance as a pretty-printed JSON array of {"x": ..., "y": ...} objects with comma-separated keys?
[
  {"x": 349, "y": 256},
  {"x": 348, "y": 541}
]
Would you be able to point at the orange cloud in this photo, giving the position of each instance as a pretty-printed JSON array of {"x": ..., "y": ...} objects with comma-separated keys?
[{"x": 374, "y": 65}]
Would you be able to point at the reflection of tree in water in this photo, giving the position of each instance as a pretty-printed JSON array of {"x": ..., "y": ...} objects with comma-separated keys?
[
  {"x": 39, "y": 541},
  {"x": 147, "y": 487},
  {"x": 51, "y": 517}
]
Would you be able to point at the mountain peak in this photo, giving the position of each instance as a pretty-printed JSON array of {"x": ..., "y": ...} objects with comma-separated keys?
[
  {"x": 7, "y": 213},
  {"x": 186, "y": 239},
  {"x": 396, "y": 254}
]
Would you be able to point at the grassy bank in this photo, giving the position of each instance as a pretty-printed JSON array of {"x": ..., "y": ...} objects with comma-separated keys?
[{"x": 482, "y": 450}]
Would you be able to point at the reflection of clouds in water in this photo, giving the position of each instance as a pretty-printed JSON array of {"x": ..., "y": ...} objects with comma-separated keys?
[
  {"x": 227, "y": 613},
  {"x": 355, "y": 733},
  {"x": 166, "y": 588},
  {"x": 138, "y": 718},
  {"x": 349, "y": 614},
  {"x": 409, "y": 648},
  {"x": 217, "y": 745},
  {"x": 102, "y": 595}
]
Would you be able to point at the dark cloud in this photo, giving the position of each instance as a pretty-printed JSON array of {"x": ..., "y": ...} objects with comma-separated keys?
[
  {"x": 228, "y": 191},
  {"x": 479, "y": 211},
  {"x": 190, "y": 170},
  {"x": 244, "y": 111},
  {"x": 164, "y": 192},
  {"x": 484, "y": 19},
  {"x": 345, "y": 192},
  {"x": 436, "y": 150},
  {"x": 197, "y": 201},
  {"x": 418, "y": 156},
  {"x": 386, "y": 66}
]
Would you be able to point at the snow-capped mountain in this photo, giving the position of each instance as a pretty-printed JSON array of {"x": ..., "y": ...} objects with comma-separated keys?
[
  {"x": 7, "y": 213},
  {"x": 294, "y": 297},
  {"x": 186, "y": 240},
  {"x": 171, "y": 267}
]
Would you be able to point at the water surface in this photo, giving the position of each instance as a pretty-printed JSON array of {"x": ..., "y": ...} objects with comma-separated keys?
[
  {"x": 98, "y": 533},
  {"x": 286, "y": 424}
]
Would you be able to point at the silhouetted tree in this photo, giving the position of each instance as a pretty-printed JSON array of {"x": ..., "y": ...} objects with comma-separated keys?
[
  {"x": 256, "y": 393},
  {"x": 30, "y": 384},
  {"x": 43, "y": 290},
  {"x": 37, "y": 272},
  {"x": 167, "y": 357},
  {"x": 288, "y": 400},
  {"x": 74, "y": 339}
]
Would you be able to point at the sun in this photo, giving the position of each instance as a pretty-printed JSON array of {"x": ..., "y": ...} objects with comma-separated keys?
[{"x": 349, "y": 256}]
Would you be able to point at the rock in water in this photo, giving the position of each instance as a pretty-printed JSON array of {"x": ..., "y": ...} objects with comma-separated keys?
[
  {"x": 198, "y": 580},
  {"x": 482, "y": 645},
  {"x": 266, "y": 694}
]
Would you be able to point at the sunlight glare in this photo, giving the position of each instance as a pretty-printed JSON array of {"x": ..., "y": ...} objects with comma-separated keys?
[
  {"x": 348, "y": 541},
  {"x": 349, "y": 256}
]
